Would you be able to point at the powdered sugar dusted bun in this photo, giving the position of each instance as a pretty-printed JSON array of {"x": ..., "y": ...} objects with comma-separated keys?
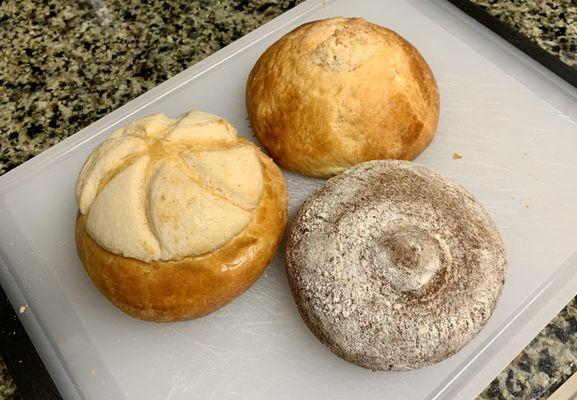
[{"x": 393, "y": 266}]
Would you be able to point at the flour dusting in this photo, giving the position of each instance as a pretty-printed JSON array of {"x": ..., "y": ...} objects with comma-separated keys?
[{"x": 393, "y": 266}]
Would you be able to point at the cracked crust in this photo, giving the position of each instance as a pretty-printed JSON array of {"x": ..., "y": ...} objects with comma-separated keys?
[
  {"x": 162, "y": 188},
  {"x": 337, "y": 92}
]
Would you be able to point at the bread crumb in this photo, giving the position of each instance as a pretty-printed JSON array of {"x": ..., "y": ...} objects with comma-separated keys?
[
  {"x": 457, "y": 156},
  {"x": 23, "y": 309},
  {"x": 93, "y": 372},
  {"x": 526, "y": 205}
]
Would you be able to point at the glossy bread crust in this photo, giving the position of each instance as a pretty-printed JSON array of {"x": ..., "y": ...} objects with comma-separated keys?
[
  {"x": 164, "y": 291},
  {"x": 337, "y": 92}
]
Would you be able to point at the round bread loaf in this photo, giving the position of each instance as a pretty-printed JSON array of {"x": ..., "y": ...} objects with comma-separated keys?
[
  {"x": 177, "y": 217},
  {"x": 393, "y": 266},
  {"x": 337, "y": 92}
]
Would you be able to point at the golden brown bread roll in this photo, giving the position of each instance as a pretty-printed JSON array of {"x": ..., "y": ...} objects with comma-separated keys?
[
  {"x": 177, "y": 217},
  {"x": 337, "y": 92}
]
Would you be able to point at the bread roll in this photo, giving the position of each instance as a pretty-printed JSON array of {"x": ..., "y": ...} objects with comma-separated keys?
[
  {"x": 177, "y": 217},
  {"x": 337, "y": 92},
  {"x": 393, "y": 266}
]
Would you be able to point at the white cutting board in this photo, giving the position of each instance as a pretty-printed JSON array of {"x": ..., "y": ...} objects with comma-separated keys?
[{"x": 512, "y": 122}]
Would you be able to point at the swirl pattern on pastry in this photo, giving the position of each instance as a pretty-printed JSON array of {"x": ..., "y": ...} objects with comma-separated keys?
[
  {"x": 177, "y": 217},
  {"x": 166, "y": 189},
  {"x": 393, "y": 266}
]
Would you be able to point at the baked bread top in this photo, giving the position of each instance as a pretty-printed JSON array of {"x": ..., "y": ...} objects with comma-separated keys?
[
  {"x": 165, "y": 189},
  {"x": 340, "y": 91}
]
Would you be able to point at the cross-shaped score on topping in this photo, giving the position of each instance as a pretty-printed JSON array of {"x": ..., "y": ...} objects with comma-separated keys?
[{"x": 164, "y": 189}]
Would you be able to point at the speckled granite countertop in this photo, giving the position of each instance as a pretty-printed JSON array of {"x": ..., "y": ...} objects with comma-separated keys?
[
  {"x": 552, "y": 24},
  {"x": 67, "y": 63}
]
